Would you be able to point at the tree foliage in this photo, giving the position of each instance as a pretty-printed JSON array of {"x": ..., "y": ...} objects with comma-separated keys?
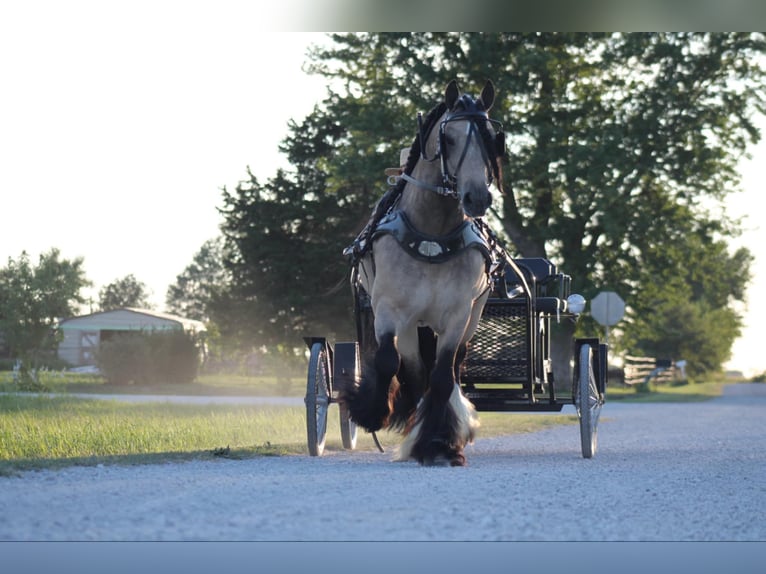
[
  {"x": 196, "y": 288},
  {"x": 124, "y": 292},
  {"x": 33, "y": 297},
  {"x": 284, "y": 277},
  {"x": 622, "y": 151}
]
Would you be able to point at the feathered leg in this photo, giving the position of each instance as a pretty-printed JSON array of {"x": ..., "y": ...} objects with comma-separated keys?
[
  {"x": 444, "y": 422},
  {"x": 371, "y": 403}
]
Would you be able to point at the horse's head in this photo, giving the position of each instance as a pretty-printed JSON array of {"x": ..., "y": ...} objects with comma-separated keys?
[{"x": 470, "y": 146}]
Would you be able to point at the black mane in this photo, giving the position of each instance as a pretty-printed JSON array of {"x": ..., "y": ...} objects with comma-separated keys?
[
  {"x": 415, "y": 150},
  {"x": 494, "y": 149}
]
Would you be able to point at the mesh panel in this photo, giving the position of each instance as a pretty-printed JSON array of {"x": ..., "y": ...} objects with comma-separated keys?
[{"x": 497, "y": 352}]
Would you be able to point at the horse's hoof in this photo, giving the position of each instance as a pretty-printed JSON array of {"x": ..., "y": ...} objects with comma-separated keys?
[
  {"x": 436, "y": 461},
  {"x": 444, "y": 459},
  {"x": 458, "y": 460}
]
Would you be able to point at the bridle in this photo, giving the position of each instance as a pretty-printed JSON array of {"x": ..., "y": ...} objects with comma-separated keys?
[{"x": 472, "y": 114}]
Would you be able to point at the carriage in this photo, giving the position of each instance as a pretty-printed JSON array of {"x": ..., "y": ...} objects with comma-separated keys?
[
  {"x": 504, "y": 362},
  {"x": 508, "y": 367}
]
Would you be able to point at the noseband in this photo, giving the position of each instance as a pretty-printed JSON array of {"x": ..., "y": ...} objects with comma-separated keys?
[{"x": 472, "y": 114}]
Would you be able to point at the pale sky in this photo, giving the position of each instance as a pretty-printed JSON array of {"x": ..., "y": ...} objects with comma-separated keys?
[{"x": 118, "y": 129}]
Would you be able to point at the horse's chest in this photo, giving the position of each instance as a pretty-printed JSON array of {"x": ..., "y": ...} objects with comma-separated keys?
[
  {"x": 421, "y": 289},
  {"x": 428, "y": 248}
]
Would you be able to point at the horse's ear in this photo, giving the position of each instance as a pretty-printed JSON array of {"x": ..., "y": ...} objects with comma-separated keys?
[
  {"x": 451, "y": 94},
  {"x": 488, "y": 95}
]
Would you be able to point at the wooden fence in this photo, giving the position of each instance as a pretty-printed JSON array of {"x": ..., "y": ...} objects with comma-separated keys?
[{"x": 644, "y": 370}]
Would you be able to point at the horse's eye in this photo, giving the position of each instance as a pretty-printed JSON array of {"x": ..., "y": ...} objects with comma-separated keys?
[{"x": 449, "y": 139}]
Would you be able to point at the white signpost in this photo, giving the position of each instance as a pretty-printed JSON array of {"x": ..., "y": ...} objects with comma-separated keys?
[{"x": 607, "y": 308}]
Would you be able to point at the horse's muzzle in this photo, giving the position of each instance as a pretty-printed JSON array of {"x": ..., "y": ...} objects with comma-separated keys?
[{"x": 476, "y": 202}]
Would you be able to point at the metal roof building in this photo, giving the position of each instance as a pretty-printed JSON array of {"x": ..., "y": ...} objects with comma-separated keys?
[{"x": 83, "y": 334}]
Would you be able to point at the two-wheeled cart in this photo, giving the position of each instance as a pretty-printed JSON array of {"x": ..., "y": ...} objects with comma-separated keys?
[{"x": 508, "y": 366}]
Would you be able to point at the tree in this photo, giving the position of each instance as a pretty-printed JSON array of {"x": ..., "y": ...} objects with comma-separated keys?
[
  {"x": 622, "y": 150},
  {"x": 34, "y": 297},
  {"x": 696, "y": 322},
  {"x": 284, "y": 285},
  {"x": 200, "y": 283},
  {"x": 125, "y": 292},
  {"x": 284, "y": 238}
]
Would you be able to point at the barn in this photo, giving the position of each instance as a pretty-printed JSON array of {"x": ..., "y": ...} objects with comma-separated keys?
[{"x": 82, "y": 335}]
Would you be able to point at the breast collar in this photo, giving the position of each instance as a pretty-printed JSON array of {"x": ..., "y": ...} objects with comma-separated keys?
[{"x": 430, "y": 248}]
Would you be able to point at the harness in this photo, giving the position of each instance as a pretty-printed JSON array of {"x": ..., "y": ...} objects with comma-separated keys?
[
  {"x": 475, "y": 234},
  {"x": 430, "y": 248},
  {"x": 471, "y": 113}
]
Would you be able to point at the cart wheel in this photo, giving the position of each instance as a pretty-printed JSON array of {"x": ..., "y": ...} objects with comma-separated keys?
[
  {"x": 317, "y": 398},
  {"x": 348, "y": 429},
  {"x": 588, "y": 401},
  {"x": 345, "y": 376}
]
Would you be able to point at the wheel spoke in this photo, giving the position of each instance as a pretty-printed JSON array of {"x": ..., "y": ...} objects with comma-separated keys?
[{"x": 588, "y": 401}]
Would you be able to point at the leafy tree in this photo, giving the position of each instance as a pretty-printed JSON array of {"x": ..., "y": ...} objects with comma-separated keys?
[
  {"x": 284, "y": 238},
  {"x": 197, "y": 286},
  {"x": 124, "y": 292},
  {"x": 283, "y": 282},
  {"x": 623, "y": 148},
  {"x": 34, "y": 297},
  {"x": 696, "y": 321}
]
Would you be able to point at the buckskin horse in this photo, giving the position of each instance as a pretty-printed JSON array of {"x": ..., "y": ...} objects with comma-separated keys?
[{"x": 425, "y": 267}]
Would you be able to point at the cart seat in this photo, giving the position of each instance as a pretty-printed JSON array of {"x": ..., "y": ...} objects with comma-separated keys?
[
  {"x": 540, "y": 268},
  {"x": 550, "y": 305}
]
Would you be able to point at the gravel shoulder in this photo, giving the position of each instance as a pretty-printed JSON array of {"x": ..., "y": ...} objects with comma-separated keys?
[{"x": 663, "y": 472}]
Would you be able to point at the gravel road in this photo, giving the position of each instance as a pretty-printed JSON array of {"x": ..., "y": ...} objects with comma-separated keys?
[{"x": 663, "y": 472}]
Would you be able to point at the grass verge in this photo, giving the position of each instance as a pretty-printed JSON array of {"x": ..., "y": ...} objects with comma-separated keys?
[
  {"x": 205, "y": 385},
  {"x": 666, "y": 393},
  {"x": 40, "y": 431},
  {"x": 47, "y": 432},
  {"x": 44, "y": 432}
]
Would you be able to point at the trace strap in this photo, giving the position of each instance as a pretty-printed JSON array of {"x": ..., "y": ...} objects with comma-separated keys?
[{"x": 377, "y": 442}]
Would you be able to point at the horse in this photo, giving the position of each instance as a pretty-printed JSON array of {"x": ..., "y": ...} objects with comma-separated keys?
[{"x": 425, "y": 267}]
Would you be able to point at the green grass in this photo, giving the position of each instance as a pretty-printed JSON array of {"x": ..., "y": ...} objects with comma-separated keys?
[
  {"x": 43, "y": 431},
  {"x": 205, "y": 385},
  {"x": 504, "y": 424},
  {"x": 666, "y": 393},
  {"x": 40, "y": 431}
]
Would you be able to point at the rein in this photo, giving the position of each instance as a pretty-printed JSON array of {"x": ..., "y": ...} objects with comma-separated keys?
[
  {"x": 471, "y": 113},
  {"x": 443, "y": 191}
]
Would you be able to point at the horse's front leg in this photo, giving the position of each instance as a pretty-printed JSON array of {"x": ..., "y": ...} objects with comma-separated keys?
[
  {"x": 370, "y": 404},
  {"x": 445, "y": 421}
]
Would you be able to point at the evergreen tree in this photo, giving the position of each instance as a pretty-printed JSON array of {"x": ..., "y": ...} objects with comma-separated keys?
[
  {"x": 197, "y": 286},
  {"x": 286, "y": 240}
]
